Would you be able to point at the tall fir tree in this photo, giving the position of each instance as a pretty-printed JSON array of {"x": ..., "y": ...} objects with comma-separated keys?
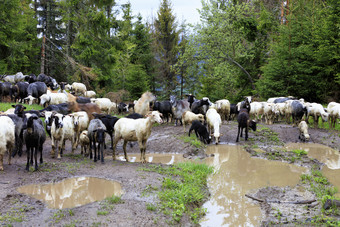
[{"x": 166, "y": 35}]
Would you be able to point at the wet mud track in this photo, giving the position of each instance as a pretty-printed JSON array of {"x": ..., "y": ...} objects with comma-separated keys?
[{"x": 22, "y": 210}]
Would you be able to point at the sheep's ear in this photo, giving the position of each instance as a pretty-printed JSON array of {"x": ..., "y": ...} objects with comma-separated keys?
[
  {"x": 95, "y": 130},
  {"x": 35, "y": 118},
  {"x": 13, "y": 106}
]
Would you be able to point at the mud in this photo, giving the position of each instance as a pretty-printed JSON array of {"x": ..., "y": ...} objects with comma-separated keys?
[{"x": 22, "y": 210}]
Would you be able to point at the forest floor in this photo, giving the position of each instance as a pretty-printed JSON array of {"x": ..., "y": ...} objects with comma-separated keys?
[{"x": 21, "y": 210}]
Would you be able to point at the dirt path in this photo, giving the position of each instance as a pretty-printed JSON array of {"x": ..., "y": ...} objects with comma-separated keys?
[{"x": 22, "y": 210}]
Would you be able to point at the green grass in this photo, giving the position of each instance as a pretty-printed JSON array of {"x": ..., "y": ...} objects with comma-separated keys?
[
  {"x": 7, "y": 105},
  {"x": 192, "y": 140},
  {"x": 183, "y": 190},
  {"x": 108, "y": 204}
]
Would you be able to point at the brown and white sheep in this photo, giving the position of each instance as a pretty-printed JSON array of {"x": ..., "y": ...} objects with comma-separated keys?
[{"x": 142, "y": 106}]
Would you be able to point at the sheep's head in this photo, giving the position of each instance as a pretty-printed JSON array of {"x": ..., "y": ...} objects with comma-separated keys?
[
  {"x": 155, "y": 116},
  {"x": 30, "y": 99},
  {"x": 252, "y": 125},
  {"x": 18, "y": 109}
]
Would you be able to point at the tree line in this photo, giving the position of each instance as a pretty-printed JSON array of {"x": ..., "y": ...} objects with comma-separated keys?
[{"x": 260, "y": 48}]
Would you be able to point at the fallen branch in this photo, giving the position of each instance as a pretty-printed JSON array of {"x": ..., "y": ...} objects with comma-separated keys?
[{"x": 277, "y": 201}]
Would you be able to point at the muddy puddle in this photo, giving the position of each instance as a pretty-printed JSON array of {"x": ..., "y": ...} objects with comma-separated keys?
[
  {"x": 73, "y": 192},
  {"x": 326, "y": 155},
  {"x": 237, "y": 174},
  {"x": 167, "y": 159}
]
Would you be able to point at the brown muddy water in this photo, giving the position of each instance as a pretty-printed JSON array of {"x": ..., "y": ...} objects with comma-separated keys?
[
  {"x": 72, "y": 192},
  {"x": 236, "y": 174},
  {"x": 326, "y": 155}
]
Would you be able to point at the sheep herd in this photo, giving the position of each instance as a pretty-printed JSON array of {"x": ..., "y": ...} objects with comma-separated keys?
[{"x": 85, "y": 120}]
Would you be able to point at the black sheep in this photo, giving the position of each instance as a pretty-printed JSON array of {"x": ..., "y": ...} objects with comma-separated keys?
[
  {"x": 19, "y": 91},
  {"x": 244, "y": 122},
  {"x": 109, "y": 122},
  {"x": 164, "y": 108},
  {"x": 96, "y": 134},
  {"x": 34, "y": 137},
  {"x": 200, "y": 131}
]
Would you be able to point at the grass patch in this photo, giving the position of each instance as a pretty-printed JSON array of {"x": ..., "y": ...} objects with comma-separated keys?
[
  {"x": 320, "y": 185},
  {"x": 266, "y": 135},
  {"x": 183, "y": 190},
  {"x": 192, "y": 139},
  {"x": 108, "y": 204},
  {"x": 15, "y": 214},
  {"x": 7, "y": 105}
]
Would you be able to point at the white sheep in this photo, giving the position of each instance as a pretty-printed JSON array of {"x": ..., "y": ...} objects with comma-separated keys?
[
  {"x": 53, "y": 99},
  {"x": 303, "y": 128},
  {"x": 135, "y": 130},
  {"x": 7, "y": 139},
  {"x": 78, "y": 88},
  {"x": 256, "y": 109},
  {"x": 104, "y": 104},
  {"x": 90, "y": 94},
  {"x": 316, "y": 110},
  {"x": 270, "y": 111},
  {"x": 223, "y": 108},
  {"x": 188, "y": 117},
  {"x": 62, "y": 129},
  {"x": 333, "y": 109},
  {"x": 81, "y": 122},
  {"x": 84, "y": 142},
  {"x": 214, "y": 123}
]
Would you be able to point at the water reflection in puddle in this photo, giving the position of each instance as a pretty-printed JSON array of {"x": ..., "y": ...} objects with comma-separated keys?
[
  {"x": 73, "y": 192},
  {"x": 326, "y": 155},
  {"x": 236, "y": 174},
  {"x": 167, "y": 159}
]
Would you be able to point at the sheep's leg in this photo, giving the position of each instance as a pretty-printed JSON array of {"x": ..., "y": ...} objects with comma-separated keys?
[
  {"x": 111, "y": 140},
  {"x": 1, "y": 162},
  {"x": 241, "y": 132},
  {"x": 41, "y": 151},
  {"x": 60, "y": 147},
  {"x": 114, "y": 148},
  {"x": 124, "y": 148},
  {"x": 246, "y": 132},
  {"x": 90, "y": 148},
  {"x": 101, "y": 153},
  {"x": 238, "y": 133},
  {"x": 31, "y": 155},
  {"x": 28, "y": 158},
  {"x": 9, "y": 155},
  {"x": 54, "y": 143},
  {"x": 36, "y": 157},
  {"x": 95, "y": 151}
]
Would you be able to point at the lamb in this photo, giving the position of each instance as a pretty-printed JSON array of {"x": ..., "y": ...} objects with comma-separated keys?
[
  {"x": 270, "y": 110},
  {"x": 303, "y": 128},
  {"x": 200, "y": 131},
  {"x": 81, "y": 122},
  {"x": 214, "y": 122},
  {"x": 78, "y": 88},
  {"x": 7, "y": 138},
  {"x": 34, "y": 137},
  {"x": 189, "y": 116},
  {"x": 244, "y": 122},
  {"x": 84, "y": 141},
  {"x": 135, "y": 130},
  {"x": 96, "y": 134},
  {"x": 53, "y": 99},
  {"x": 62, "y": 129}
]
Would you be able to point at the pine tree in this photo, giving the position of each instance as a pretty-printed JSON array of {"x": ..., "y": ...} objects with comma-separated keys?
[{"x": 166, "y": 37}]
